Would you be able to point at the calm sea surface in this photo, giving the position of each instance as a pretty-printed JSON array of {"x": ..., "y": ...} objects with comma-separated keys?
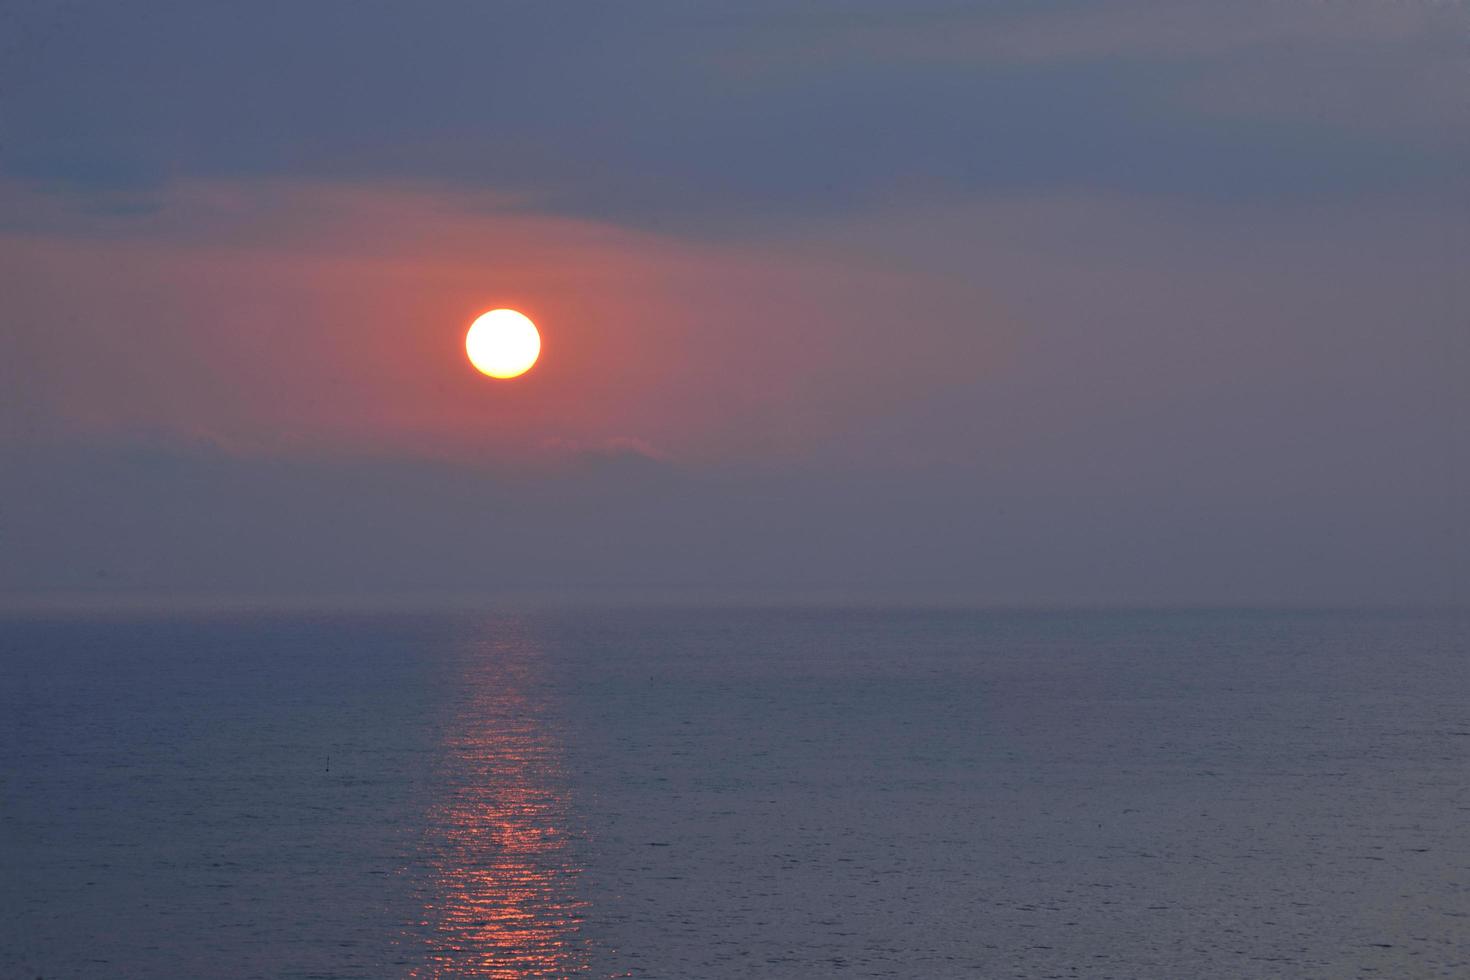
[{"x": 727, "y": 793}]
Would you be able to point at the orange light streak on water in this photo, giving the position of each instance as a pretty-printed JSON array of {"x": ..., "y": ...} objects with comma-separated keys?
[{"x": 504, "y": 902}]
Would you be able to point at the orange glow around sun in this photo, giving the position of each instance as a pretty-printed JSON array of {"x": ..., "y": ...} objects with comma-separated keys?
[{"x": 503, "y": 344}]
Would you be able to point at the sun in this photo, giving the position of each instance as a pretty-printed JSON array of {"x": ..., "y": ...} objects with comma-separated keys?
[{"x": 503, "y": 344}]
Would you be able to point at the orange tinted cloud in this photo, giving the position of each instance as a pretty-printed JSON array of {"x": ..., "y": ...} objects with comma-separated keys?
[{"x": 276, "y": 316}]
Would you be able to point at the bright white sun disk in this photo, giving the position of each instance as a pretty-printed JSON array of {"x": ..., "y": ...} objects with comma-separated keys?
[{"x": 503, "y": 344}]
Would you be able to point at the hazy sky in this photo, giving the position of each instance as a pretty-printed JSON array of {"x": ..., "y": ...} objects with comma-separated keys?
[{"x": 1006, "y": 303}]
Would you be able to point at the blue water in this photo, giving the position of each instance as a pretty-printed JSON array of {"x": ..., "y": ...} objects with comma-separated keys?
[{"x": 735, "y": 793}]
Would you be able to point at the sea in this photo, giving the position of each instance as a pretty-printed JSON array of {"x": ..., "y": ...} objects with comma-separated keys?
[{"x": 735, "y": 792}]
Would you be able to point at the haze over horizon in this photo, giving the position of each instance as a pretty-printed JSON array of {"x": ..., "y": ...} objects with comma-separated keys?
[{"x": 1132, "y": 303}]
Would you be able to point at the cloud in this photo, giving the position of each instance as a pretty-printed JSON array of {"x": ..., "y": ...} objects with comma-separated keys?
[
  {"x": 614, "y": 447},
  {"x": 277, "y": 316},
  {"x": 716, "y": 121},
  {"x": 112, "y": 521},
  {"x": 1052, "y": 33}
]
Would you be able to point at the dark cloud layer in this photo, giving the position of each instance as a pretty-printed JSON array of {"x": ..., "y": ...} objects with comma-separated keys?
[
  {"x": 697, "y": 115},
  {"x": 161, "y": 522}
]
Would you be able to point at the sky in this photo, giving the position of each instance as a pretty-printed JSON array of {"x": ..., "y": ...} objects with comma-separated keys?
[{"x": 1121, "y": 303}]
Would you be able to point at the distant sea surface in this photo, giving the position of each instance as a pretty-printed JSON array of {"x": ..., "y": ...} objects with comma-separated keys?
[{"x": 736, "y": 793}]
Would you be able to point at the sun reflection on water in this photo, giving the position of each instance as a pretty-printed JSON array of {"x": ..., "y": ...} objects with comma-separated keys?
[{"x": 503, "y": 901}]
